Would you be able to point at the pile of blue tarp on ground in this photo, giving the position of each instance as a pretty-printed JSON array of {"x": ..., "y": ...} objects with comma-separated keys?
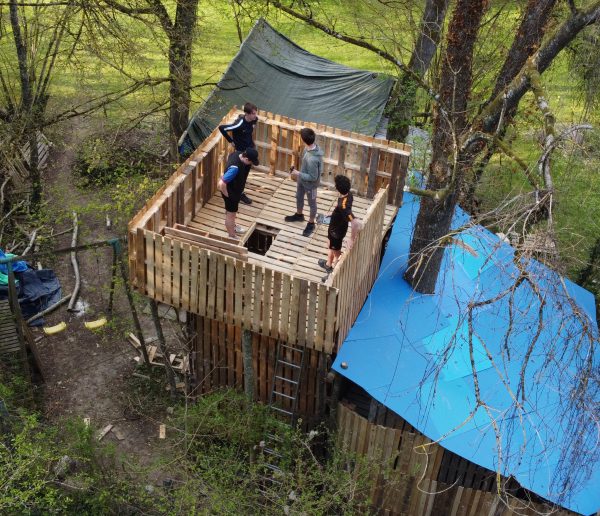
[
  {"x": 422, "y": 355},
  {"x": 36, "y": 289}
]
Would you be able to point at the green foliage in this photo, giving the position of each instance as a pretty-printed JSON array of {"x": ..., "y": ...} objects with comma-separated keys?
[{"x": 112, "y": 156}]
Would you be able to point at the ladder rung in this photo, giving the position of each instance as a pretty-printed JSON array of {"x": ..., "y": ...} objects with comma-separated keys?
[
  {"x": 299, "y": 350},
  {"x": 289, "y": 364},
  {"x": 286, "y": 380},
  {"x": 274, "y": 437},
  {"x": 282, "y": 410},
  {"x": 284, "y": 395},
  {"x": 270, "y": 451},
  {"x": 272, "y": 467}
]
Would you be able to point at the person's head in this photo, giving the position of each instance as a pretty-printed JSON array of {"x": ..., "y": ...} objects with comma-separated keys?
[
  {"x": 250, "y": 111},
  {"x": 308, "y": 135},
  {"x": 342, "y": 184},
  {"x": 250, "y": 156}
]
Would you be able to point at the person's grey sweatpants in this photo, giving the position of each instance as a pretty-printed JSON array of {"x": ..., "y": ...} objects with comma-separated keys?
[{"x": 311, "y": 195}]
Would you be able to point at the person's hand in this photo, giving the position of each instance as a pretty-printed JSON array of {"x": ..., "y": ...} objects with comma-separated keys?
[
  {"x": 294, "y": 173},
  {"x": 222, "y": 186}
]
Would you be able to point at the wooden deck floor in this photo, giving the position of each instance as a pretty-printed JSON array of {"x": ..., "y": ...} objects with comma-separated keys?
[{"x": 272, "y": 199}]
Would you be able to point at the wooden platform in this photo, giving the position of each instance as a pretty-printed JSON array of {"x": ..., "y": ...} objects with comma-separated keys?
[{"x": 272, "y": 199}]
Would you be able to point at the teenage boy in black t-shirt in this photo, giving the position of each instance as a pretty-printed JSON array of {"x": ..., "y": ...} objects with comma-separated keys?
[
  {"x": 232, "y": 183},
  {"x": 338, "y": 225}
]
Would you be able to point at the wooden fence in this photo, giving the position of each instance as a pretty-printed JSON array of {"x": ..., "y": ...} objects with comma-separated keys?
[
  {"x": 235, "y": 292},
  {"x": 355, "y": 274},
  {"x": 409, "y": 470}
]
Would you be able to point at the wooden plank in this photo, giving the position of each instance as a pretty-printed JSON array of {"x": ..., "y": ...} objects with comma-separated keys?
[
  {"x": 373, "y": 173},
  {"x": 220, "y": 290},
  {"x": 330, "y": 322},
  {"x": 248, "y": 294},
  {"x": 302, "y": 302},
  {"x": 212, "y": 285},
  {"x": 215, "y": 242},
  {"x": 194, "y": 274},
  {"x": 284, "y": 320},
  {"x": 185, "y": 276},
  {"x": 176, "y": 281},
  {"x": 238, "y": 314},
  {"x": 229, "y": 290},
  {"x": 293, "y": 326},
  {"x": 311, "y": 315},
  {"x": 149, "y": 267},
  {"x": 258, "y": 287},
  {"x": 266, "y": 302},
  {"x": 276, "y": 315}
]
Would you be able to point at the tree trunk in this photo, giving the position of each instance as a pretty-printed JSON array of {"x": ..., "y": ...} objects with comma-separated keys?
[
  {"x": 181, "y": 37},
  {"x": 404, "y": 103},
  {"x": 28, "y": 122},
  {"x": 525, "y": 44},
  {"x": 433, "y": 220}
]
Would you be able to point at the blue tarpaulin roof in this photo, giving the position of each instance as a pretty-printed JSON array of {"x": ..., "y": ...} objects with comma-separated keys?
[{"x": 414, "y": 353}]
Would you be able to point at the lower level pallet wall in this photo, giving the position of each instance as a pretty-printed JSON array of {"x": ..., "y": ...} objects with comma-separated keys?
[
  {"x": 410, "y": 469},
  {"x": 217, "y": 362}
]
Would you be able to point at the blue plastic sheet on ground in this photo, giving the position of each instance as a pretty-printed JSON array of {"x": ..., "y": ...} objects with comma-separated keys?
[
  {"x": 421, "y": 356},
  {"x": 37, "y": 290}
]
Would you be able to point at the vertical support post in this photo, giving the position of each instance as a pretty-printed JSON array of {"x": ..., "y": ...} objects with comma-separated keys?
[
  {"x": 248, "y": 364},
  {"x": 136, "y": 321},
  {"x": 13, "y": 299},
  {"x": 163, "y": 347},
  {"x": 113, "y": 277}
]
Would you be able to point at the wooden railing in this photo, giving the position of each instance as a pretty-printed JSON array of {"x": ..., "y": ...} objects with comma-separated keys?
[
  {"x": 214, "y": 284},
  {"x": 355, "y": 274},
  {"x": 235, "y": 292}
]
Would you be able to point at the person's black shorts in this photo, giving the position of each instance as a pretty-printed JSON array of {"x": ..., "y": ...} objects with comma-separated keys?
[
  {"x": 335, "y": 244},
  {"x": 231, "y": 203}
]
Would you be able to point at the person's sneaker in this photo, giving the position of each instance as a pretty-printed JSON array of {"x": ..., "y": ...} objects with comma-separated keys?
[
  {"x": 296, "y": 217},
  {"x": 239, "y": 229},
  {"x": 245, "y": 199},
  {"x": 323, "y": 264},
  {"x": 310, "y": 227}
]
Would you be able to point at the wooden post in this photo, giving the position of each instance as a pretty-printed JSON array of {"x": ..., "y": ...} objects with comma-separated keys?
[
  {"x": 13, "y": 299},
  {"x": 113, "y": 276},
  {"x": 136, "y": 321},
  {"x": 163, "y": 348},
  {"x": 248, "y": 364}
]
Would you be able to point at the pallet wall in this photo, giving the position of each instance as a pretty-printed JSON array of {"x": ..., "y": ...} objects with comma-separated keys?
[
  {"x": 217, "y": 362},
  {"x": 410, "y": 471}
]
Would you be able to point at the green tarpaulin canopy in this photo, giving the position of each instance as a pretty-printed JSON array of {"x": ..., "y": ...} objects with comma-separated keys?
[{"x": 278, "y": 76}]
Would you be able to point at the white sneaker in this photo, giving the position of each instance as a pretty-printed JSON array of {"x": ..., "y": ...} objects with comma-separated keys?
[{"x": 239, "y": 229}]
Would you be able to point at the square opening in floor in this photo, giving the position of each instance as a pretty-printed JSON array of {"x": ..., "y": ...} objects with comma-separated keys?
[{"x": 261, "y": 239}]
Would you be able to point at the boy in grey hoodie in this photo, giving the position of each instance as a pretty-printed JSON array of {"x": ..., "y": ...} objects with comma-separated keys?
[{"x": 308, "y": 179}]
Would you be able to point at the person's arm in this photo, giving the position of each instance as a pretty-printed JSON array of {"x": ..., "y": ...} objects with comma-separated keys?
[
  {"x": 225, "y": 128},
  {"x": 227, "y": 177}
]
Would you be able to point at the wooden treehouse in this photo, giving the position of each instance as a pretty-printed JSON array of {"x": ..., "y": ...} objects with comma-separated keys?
[{"x": 268, "y": 282}]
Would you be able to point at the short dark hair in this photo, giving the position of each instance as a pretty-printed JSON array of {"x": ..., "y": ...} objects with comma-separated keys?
[
  {"x": 308, "y": 135},
  {"x": 249, "y": 107},
  {"x": 342, "y": 184}
]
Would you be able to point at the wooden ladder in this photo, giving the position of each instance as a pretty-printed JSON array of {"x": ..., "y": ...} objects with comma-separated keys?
[
  {"x": 286, "y": 377},
  {"x": 283, "y": 400}
]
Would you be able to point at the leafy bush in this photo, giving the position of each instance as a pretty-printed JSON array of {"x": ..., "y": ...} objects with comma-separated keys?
[{"x": 104, "y": 158}]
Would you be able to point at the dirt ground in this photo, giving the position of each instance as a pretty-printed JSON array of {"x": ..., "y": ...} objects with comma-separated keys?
[{"x": 89, "y": 374}]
